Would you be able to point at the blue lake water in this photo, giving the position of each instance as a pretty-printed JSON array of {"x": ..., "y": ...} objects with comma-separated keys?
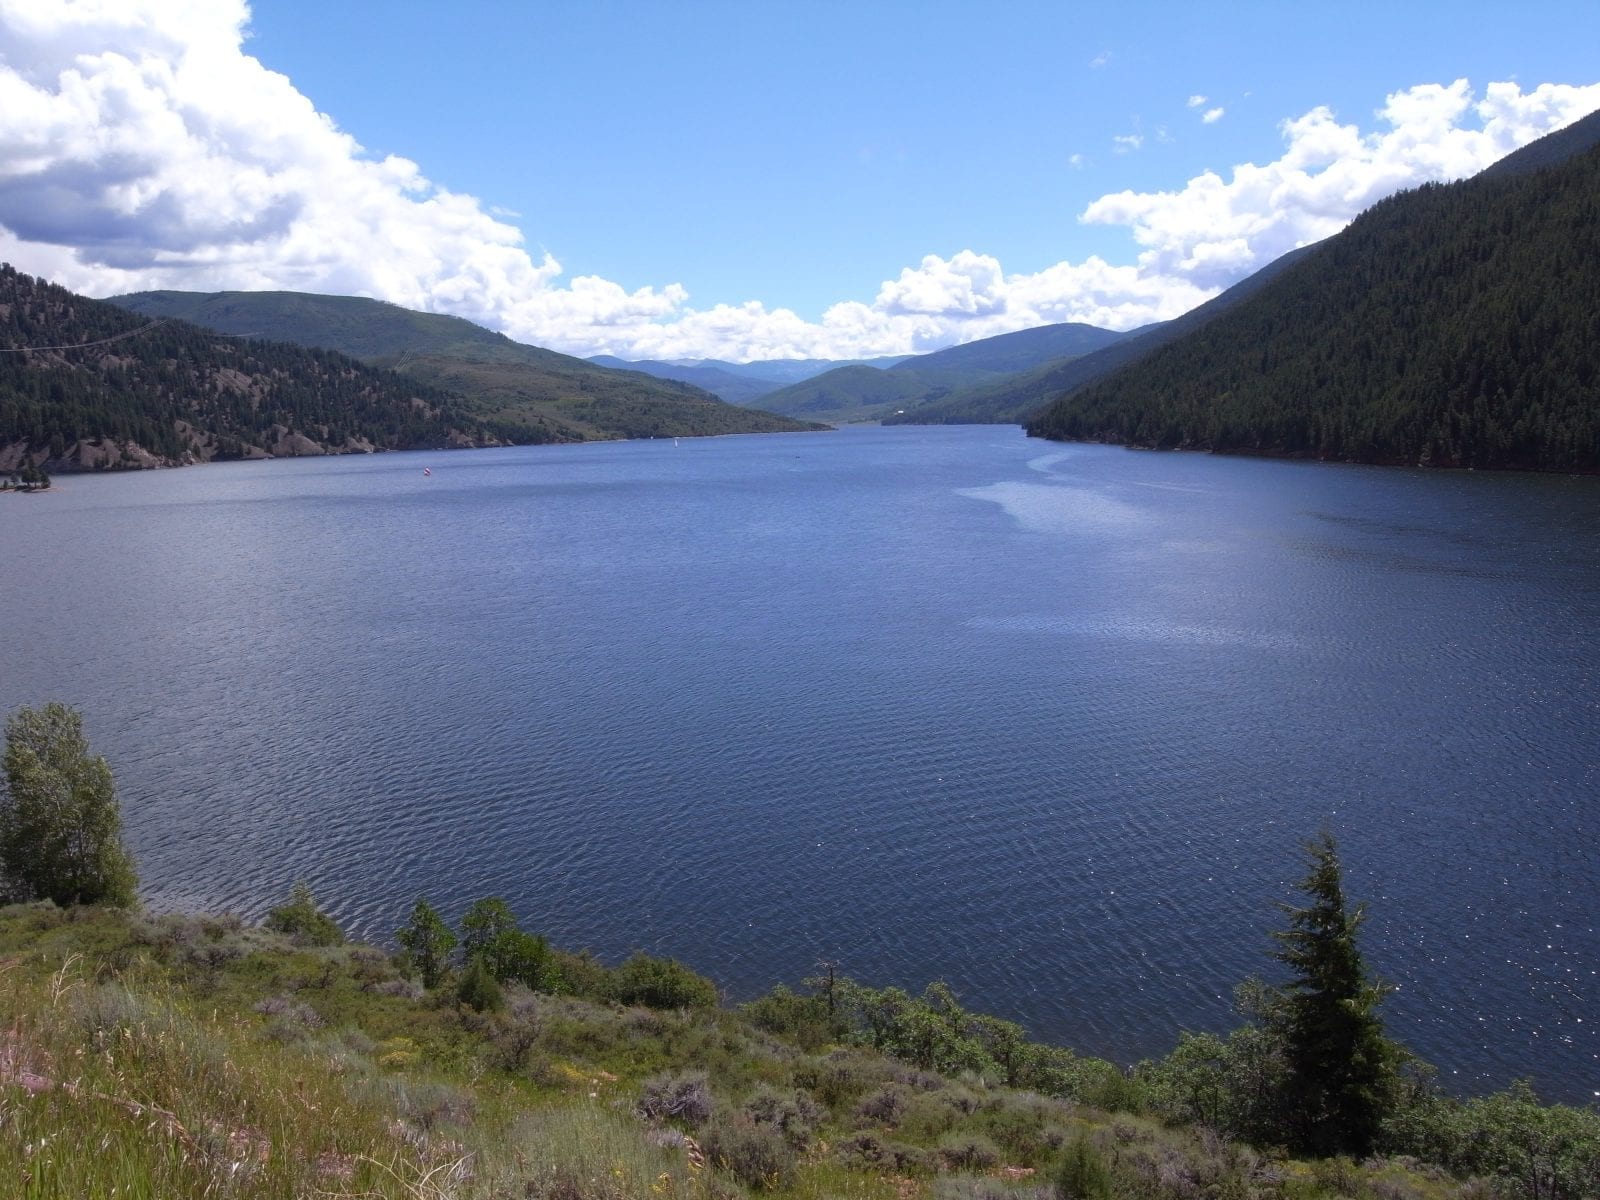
[{"x": 1045, "y": 721}]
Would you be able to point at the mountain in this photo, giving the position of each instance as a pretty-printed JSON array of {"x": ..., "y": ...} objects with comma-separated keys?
[
  {"x": 726, "y": 385},
  {"x": 1012, "y": 400},
  {"x": 864, "y": 394},
  {"x": 741, "y": 383},
  {"x": 1008, "y": 353},
  {"x": 847, "y": 394},
  {"x": 1453, "y": 325},
  {"x": 104, "y": 388},
  {"x": 532, "y": 394}
]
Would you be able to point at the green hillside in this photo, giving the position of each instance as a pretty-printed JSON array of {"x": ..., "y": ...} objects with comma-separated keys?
[
  {"x": 847, "y": 394},
  {"x": 1453, "y": 325},
  {"x": 903, "y": 390},
  {"x": 537, "y": 395},
  {"x": 145, "y": 393},
  {"x": 724, "y": 384},
  {"x": 742, "y": 383},
  {"x": 1013, "y": 399},
  {"x": 1008, "y": 353}
]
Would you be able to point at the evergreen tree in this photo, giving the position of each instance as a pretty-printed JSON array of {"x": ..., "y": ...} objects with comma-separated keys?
[
  {"x": 1342, "y": 1069},
  {"x": 60, "y": 827}
]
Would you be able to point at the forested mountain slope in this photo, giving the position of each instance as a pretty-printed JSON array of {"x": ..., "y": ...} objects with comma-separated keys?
[
  {"x": 1013, "y": 399},
  {"x": 536, "y": 395},
  {"x": 147, "y": 393},
  {"x": 860, "y": 393},
  {"x": 1023, "y": 350},
  {"x": 1454, "y": 325}
]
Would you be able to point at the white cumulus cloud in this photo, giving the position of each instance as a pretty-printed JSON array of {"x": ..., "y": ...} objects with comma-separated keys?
[
  {"x": 141, "y": 147},
  {"x": 1212, "y": 115},
  {"x": 1196, "y": 101},
  {"x": 1213, "y": 229}
]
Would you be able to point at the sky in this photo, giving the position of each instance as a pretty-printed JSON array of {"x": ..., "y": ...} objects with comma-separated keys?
[{"x": 747, "y": 180}]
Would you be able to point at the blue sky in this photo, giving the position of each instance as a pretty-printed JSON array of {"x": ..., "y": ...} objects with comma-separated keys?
[{"x": 745, "y": 180}]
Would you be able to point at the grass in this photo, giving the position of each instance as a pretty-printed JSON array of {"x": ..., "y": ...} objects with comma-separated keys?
[{"x": 200, "y": 1057}]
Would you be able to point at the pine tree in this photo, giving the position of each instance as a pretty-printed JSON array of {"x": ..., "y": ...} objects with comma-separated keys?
[{"x": 1342, "y": 1069}]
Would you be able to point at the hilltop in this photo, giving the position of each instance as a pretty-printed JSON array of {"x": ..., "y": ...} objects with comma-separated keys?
[{"x": 533, "y": 394}]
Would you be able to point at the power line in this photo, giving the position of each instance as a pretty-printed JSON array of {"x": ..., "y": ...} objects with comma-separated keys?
[
  {"x": 85, "y": 345},
  {"x": 118, "y": 337}
]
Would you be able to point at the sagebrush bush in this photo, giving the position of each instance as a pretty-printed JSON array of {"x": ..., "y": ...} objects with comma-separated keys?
[
  {"x": 984, "y": 1187},
  {"x": 966, "y": 1151},
  {"x": 756, "y": 1155},
  {"x": 795, "y": 1115},
  {"x": 886, "y": 1106},
  {"x": 874, "y": 1152},
  {"x": 673, "y": 1097}
]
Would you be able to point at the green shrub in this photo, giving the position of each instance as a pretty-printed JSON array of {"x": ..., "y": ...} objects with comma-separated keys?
[
  {"x": 581, "y": 974},
  {"x": 1017, "y": 1122},
  {"x": 661, "y": 983},
  {"x": 1083, "y": 1174},
  {"x": 802, "y": 1019},
  {"x": 301, "y": 920},
  {"x": 427, "y": 942},
  {"x": 478, "y": 989},
  {"x": 60, "y": 824}
]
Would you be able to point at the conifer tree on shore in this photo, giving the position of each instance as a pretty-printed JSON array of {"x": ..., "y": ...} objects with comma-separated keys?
[{"x": 1342, "y": 1069}]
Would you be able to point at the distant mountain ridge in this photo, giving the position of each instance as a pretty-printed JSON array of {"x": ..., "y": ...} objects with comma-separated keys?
[
  {"x": 1455, "y": 324},
  {"x": 740, "y": 383},
  {"x": 530, "y": 393},
  {"x": 915, "y": 384}
]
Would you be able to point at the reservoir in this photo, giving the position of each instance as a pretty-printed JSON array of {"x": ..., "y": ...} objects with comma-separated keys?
[{"x": 1048, "y": 722}]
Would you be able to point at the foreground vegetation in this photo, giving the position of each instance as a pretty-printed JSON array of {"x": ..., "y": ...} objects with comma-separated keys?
[{"x": 200, "y": 1056}]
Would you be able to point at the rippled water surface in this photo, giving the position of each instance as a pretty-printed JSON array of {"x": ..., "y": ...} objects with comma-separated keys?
[{"x": 1045, "y": 721}]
